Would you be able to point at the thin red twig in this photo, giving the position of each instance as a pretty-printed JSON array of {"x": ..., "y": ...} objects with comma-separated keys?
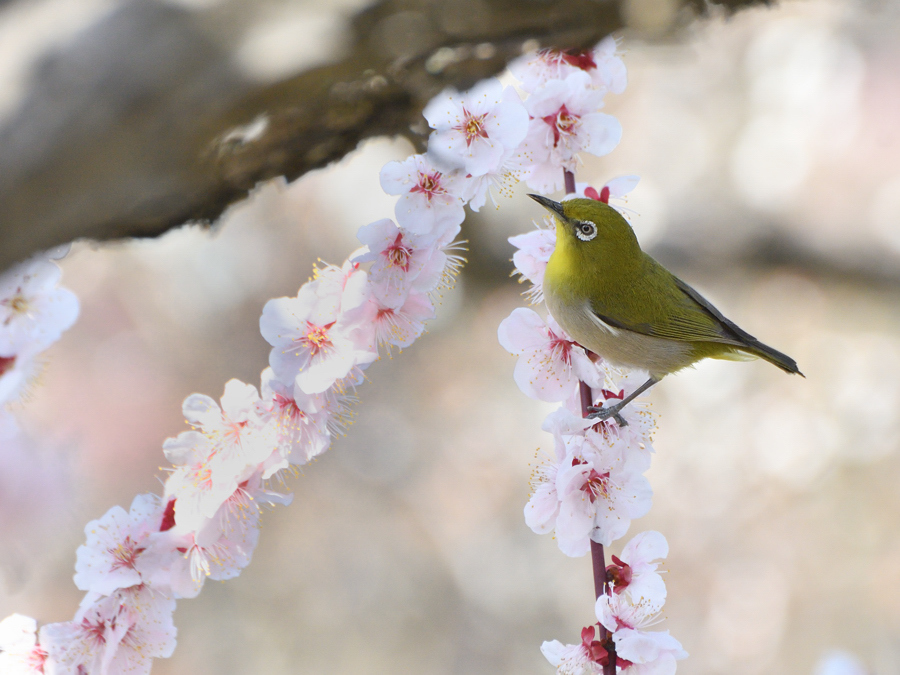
[{"x": 598, "y": 557}]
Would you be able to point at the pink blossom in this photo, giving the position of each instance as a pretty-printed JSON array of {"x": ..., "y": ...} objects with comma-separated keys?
[
  {"x": 476, "y": 129},
  {"x": 550, "y": 364},
  {"x": 236, "y": 427},
  {"x": 20, "y": 653},
  {"x": 221, "y": 550},
  {"x": 430, "y": 197},
  {"x": 510, "y": 169},
  {"x": 655, "y": 651},
  {"x": 531, "y": 258},
  {"x": 542, "y": 509},
  {"x": 312, "y": 339},
  {"x": 178, "y": 560},
  {"x": 396, "y": 326},
  {"x": 112, "y": 635},
  {"x": 402, "y": 261},
  {"x": 602, "y": 64},
  {"x": 233, "y": 440},
  {"x": 601, "y": 490},
  {"x": 564, "y": 122},
  {"x": 587, "y": 658},
  {"x": 635, "y": 572},
  {"x": 610, "y": 72},
  {"x": 301, "y": 425},
  {"x": 109, "y": 559},
  {"x": 34, "y": 311},
  {"x": 202, "y": 478}
]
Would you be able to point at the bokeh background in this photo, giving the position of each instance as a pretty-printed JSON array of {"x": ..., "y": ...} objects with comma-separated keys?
[{"x": 768, "y": 146}]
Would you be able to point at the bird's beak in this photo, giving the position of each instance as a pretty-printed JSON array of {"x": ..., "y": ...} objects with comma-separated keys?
[{"x": 552, "y": 206}]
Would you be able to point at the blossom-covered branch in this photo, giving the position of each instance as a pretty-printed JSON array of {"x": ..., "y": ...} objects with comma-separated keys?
[{"x": 233, "y": 461}]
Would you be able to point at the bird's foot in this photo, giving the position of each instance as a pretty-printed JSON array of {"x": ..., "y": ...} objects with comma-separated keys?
[{"x": 603, "y": 414}]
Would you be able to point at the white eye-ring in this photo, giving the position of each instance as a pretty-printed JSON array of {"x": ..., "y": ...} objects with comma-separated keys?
[{"x": 585, "y": 230}]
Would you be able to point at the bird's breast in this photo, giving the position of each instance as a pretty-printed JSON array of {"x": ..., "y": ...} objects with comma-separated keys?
[{"x": 619, "y": 346}]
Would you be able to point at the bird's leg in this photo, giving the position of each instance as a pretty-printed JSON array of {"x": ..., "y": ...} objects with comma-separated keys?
[{"x": 613, "y": 410}]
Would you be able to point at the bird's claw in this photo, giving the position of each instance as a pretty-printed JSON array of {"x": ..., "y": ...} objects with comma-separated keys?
[{"x": 603, "y": 414}]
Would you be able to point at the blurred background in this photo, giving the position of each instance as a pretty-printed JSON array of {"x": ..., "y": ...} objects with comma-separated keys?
[{"x": 767, "y": 144}]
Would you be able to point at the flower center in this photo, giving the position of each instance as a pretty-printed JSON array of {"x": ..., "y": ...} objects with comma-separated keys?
[
  {"x": 203, "y": 477},
  {"x": 125, "y": 554},
  {"x": 429, "y": 185},
  {"x": 94, "y": 632},
  {"x": 397, "y": 254},
  {"x": 560, "y": 348},
  {"x": 596, "y": 485},
  {"x": 19, "y": 304},
  {"x": 561, "y": 123},
  {"x": 472, "y": 126},
  {"x": 233, "y": 431},
  {"x": 316, "y": 339}
]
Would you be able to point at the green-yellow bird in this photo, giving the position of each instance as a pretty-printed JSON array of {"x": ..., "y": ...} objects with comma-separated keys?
[{"x": 618, "y": 302}]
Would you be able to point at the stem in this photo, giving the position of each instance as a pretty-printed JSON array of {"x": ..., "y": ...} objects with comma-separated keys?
[
  {"x": 570, "y": 182},
  {"x": 598, "y": 558},
  {"x": 599, "y": 561}
]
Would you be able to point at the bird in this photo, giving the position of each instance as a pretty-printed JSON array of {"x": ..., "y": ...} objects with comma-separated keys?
[{"x": 618, "y": 302}]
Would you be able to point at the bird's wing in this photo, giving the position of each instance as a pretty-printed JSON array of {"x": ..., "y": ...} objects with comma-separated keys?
[{"x": 671, "y": 310}]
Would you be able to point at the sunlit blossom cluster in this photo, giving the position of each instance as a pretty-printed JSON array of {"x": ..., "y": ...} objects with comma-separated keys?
[
  {"x": 232, "y": 461},
  {"x": 592, "y": 485}
]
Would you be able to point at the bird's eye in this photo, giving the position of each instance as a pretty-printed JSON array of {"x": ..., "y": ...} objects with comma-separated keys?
[{"x": 585, "y": 230}]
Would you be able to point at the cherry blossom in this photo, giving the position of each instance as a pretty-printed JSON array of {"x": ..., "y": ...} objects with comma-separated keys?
[
  {"x": 109, "y": 559},
  {"x": 396, "y": 326},
  {"x": 402, "y": 261},
  {"x": 236, "y": 428},
  {"x": 550, "y": 363},
  {"x": 634, "y": 571},
  {"x": 602, "y": 64},
  {"x": 475, "y": 130},
  {"x": 201, "y": 480},
  {"x": 655, "y": 651},
  {"x": 312, "y": 338},
  {"x": 531, "y": 257},
  {"x": 610, "y": 72},
  {"x": 20, "y": 653},
  {"x": 301, "y": 425},
  {"x": 564, "y": 122},
  {"x": 601, "y": 490},
  {"x": 586, "y": 658},
  {"x": 219, "y": 552},
  {"x": 430, "y": 197},
  {"x": 112, "y": 635},
  {"x": 512, "y": 165},
  {"x": 34, "y": 310}
]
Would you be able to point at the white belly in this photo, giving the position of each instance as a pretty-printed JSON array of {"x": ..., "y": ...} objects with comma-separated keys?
[{"x": 621, "y": 347}]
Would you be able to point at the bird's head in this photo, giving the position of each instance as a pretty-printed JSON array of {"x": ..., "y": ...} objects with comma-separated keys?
[{"x": 588, "y": 225}]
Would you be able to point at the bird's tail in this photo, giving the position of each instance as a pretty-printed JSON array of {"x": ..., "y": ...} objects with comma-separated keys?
[{"x": 773, "y": 356}]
